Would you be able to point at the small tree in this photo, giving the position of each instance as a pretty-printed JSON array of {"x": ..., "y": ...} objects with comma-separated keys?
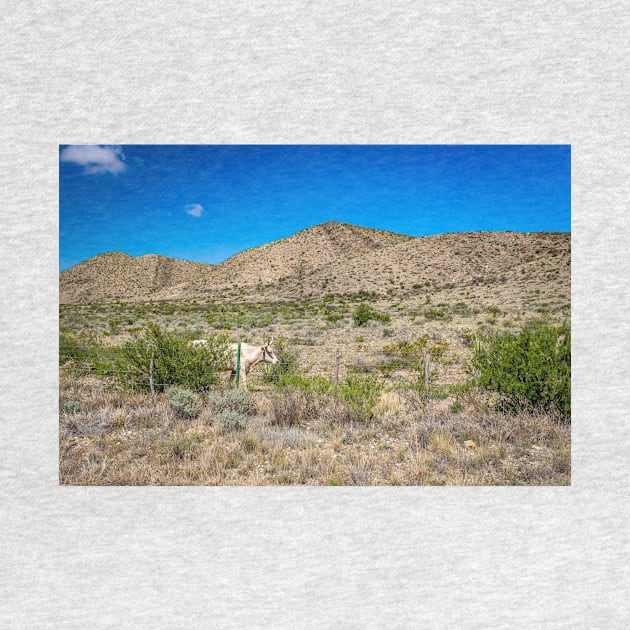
[
  {"x": 171, "y": 360},
  {"x": 530, "y": 368}
]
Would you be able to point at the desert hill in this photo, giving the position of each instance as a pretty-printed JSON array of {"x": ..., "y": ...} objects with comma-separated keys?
[
  {"x": 280, "y": 265},
  {"x": 333, "y": 258},
  {"x": 118, "y": 276}
]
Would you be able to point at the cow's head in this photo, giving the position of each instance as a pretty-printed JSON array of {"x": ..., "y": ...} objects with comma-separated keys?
[{"x": 269, "y": 355}]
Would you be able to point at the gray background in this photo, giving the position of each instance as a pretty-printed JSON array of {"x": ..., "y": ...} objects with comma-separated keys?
[{"x": 304, "y": 72}]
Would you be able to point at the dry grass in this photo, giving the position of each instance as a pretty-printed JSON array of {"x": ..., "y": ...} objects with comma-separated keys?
[
  {"x": 445, "y": 289},
  {"x": 109, "y": 437}
]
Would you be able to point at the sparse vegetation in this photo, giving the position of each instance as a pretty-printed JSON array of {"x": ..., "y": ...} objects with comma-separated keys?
[
  {"x": 344, "y": 405},
  {"x": 300, "y": 437}
]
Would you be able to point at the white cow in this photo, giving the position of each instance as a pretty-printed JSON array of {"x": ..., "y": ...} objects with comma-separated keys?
[{"x": 251, "y": 355}]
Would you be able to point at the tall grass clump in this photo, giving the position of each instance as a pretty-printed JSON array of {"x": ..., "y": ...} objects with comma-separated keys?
[
  {"x": 529, "y": 369},
  {"x": 172, "y": 360}
]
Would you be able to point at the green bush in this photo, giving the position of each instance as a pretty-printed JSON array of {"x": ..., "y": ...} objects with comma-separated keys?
[
  {"x": 361, "y": 393},
  {"x": 185, "y": 404},
  {"x": 174, "y": 361},
  {"x": 363, "y": 313},
  {"x": 531, "y": 368}
]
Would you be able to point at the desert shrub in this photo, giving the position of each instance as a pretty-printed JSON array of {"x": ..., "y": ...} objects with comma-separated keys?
[
  {"x": 230, "y": 420},
  {"x": 531, "y": 368},
  {"x": 237, "y": 400},
  {"x": 71, "y": 406},
  {"x": 183, "y": 402},
  {"x": 361, "y": 394},
  {"x": 362, "y": 366},
  {"x": 175, "y": 361},
  {"x": 461, "y": 308},
  {"x": 334, "y": 317},
  {"x": 363, "y": 313}
]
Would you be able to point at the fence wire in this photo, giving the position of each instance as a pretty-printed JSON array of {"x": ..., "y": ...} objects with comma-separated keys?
[{"x": 87, "y": 363}]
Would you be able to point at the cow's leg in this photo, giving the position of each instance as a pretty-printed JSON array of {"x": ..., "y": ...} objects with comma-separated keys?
[{"x": 241, "y": 377}]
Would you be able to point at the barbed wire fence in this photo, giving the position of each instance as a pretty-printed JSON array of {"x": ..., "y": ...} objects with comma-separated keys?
[{"x": 83, "y": 361}]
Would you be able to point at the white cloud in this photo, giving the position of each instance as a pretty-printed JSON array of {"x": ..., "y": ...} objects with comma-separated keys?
[
  {"x": 194, "y": 209},
  {"x": 95, "y": 159}
]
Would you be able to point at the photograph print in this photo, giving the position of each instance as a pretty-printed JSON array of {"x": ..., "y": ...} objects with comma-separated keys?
[{"x": 328, "y": 315}]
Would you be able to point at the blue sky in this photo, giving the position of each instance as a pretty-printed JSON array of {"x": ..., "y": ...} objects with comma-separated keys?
[{"x": 206, "y": 202}]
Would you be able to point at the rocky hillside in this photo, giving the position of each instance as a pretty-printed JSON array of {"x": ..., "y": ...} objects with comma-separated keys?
[
  {"x": 334, "y": 258},
  {"x": 277, "y": 267}
]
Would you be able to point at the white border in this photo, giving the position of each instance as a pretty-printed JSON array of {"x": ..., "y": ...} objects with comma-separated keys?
[{"x": 297, "y": 72}]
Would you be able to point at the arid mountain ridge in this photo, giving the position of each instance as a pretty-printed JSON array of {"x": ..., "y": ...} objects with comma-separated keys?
[{"x": 331, "y": 258}]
